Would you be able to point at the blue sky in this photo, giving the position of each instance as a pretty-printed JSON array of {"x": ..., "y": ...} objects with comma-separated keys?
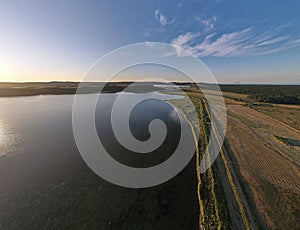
[{"x": 240, "y": 41}]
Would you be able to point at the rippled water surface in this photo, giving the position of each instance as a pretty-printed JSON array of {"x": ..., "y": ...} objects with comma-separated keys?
[{"x": 46, "y": 184}]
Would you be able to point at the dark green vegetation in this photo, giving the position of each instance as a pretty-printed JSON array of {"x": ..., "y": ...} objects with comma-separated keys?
[
  {"x": 215, "y": 206},
  {"x": 278, "y": 94},
  {"x": 288, "y": 141}
]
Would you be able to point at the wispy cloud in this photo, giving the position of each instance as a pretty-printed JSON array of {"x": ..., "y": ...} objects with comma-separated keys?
[
  {"x": 209, "y": 22},
  {"x": 238, "y": 43},
  {"x": 163, "y": 20},
  {"x": 184, "y": 39}
]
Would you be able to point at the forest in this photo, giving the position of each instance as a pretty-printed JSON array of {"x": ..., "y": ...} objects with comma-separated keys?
[{"x": 278, "y": 94}]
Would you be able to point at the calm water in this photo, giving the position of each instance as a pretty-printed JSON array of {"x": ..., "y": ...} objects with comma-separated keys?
[
  {"x": 27, "y": 123},
  {"x": 44, "y": 181}
]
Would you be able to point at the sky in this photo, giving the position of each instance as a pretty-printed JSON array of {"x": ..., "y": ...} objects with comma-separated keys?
[{"x": 240, "y": 41}]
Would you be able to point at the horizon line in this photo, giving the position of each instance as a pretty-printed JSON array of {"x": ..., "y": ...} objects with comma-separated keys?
[{"x": 128, "y": 81}]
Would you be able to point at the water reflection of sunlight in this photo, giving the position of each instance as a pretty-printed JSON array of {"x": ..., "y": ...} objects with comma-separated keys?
[
  {"x": 1, "y": 134},
  {"x": 5, "y": 145}
]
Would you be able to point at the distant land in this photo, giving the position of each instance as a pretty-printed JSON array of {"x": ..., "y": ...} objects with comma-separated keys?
[{"x": 265, "y": 93}]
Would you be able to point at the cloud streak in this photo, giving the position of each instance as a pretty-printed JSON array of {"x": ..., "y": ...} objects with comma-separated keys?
[
  {"x": 238, "y": 43},
  {"x": 209, "y": 23},
  {"x": 163, "y": 20}
]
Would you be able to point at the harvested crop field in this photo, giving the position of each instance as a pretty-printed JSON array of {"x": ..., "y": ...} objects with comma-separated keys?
[
  {"x": 288, "y": 114},
  {"x": 269, "y": 170}
]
